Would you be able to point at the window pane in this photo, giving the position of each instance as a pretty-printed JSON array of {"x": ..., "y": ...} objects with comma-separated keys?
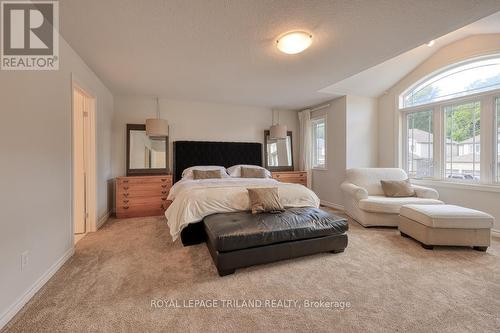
[
  {"x": 463, "y": 141},
  {"x": 319, "y": 152},
  {"x": 498, "y": 138},
  {"x": 420, "y": 148},
  {"x": 462, "y": 80}
]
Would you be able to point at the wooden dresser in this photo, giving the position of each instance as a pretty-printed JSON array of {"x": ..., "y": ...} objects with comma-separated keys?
[
  {"x": 296, "y": 177},
  {"x": 142, "y": 195}
]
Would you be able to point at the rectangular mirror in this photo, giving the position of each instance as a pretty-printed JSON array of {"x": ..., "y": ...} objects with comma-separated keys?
[
  {"x": 278, "y": 153},
  {"x": 145, "y": 155}
]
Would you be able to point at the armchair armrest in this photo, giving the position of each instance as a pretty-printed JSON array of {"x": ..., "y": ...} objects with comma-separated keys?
[
  {"x": 354, "y": 191},
  {"x": 425, "y": 192}
]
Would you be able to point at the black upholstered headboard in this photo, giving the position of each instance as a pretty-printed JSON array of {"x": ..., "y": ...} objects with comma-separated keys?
[{"x": 190, "y": 153}]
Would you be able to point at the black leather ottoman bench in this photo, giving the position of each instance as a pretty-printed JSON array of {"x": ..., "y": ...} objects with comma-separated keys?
[{"x": 241, "y": 239}]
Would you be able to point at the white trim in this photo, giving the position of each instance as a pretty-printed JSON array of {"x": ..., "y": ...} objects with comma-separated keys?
[
  {"x": 77, "y": 84},
  {"x": 332, "y": 205},
  {"x": 35, "y": 287},
  {"x": 325, "y": 120},
  {"x": 495, "y": 233},
  {"x": 103, "y": 219},
  {"x": 459, "y": 185}
]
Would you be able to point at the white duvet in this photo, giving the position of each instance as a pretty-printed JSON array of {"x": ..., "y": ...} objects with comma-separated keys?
[{"x": 195, "y": 199}]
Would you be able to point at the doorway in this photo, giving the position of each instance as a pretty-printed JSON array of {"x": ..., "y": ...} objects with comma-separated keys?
[{"x": 83, "y": 163}]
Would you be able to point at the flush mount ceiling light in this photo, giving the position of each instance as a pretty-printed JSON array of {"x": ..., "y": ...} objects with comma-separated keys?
[
  {"x": 294, "y": 42},
  {"x": 431, "y": 43}
]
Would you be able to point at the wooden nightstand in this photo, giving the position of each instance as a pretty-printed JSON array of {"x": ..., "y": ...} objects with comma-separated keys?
[{"x": 296, "y": 177}]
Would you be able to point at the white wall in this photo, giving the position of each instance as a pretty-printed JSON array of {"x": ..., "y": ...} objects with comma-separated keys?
[
  {"x": 351, "y": 142},
  {"x": 36, "y": 177},
  {"x": 389, "y": 120},
  {"x": 190, "y": 120},
  {"x": 362, "y": 132}
]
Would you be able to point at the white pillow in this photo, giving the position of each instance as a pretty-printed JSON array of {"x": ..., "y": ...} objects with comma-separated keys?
[
  {"x": 188, "y": 173},
  {"x": 235, "y": 170}
]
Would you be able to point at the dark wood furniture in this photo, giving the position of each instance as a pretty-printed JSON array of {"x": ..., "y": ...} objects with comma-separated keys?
[
  {"x": 296, "y": 177},
  {"x": 142, "y": 196}
]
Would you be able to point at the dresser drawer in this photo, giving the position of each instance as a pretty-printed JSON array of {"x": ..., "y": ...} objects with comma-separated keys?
[
  {"x": 144, "y": 181},
  {"x": 295, "y": 177},
  {"x": 140, "y": 201},
  {"x": 144, "y": 188}
]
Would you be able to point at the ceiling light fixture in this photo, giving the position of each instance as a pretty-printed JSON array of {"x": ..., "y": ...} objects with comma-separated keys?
[
  {"x": 294, "y": 42},
  {"x": 157, "y": 127},
  {"x": 277, "y": 131},
  {"x": 431, "y": 43}
]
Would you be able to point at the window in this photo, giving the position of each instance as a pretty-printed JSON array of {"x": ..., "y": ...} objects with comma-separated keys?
[
  {"x": 319, "y": 142},
  {"x": 464, "y": 79},
  {"x": 443, "y": 116},
  {"x": 462, "y": 126},
  {"x": 420, "y": 144}
]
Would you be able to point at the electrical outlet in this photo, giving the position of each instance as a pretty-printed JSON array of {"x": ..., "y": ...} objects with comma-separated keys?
[{"x": 24, "y": 260}]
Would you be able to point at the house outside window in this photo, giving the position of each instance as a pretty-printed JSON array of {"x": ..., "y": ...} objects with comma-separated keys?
[
  {"x": 319, "y": 142},
  {"x": 444, "y": 115}
]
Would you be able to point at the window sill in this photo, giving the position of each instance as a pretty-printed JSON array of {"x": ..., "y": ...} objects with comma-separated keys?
[
  {"x": 458, "y": 185},
  {"x": 319, "y": 168}
]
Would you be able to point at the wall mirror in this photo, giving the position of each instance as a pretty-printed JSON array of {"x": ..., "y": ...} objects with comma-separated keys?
[
  {"x": 145, "y": 155},
  {"x": 278, "y": 152}
]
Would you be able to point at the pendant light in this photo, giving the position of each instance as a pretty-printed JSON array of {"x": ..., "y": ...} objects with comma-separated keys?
[
  {"x": 156, "y": 127},
  {"x": 277, "y": 131}
]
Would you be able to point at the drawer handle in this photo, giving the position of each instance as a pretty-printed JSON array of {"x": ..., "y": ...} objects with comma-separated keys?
[
  {"x": 163, "y": 199},
  {"x": 125, "y": 201},
  {"x": 164, "y": 186},
  {"x": 164, "y": 179},
  {"x": 125, "y": 207},
  {"x": 125, "y": 187},
  {"x": 163, "y": 192},
  {"x": 125, "y": 195},
  {"x": 125, "y": 181}
]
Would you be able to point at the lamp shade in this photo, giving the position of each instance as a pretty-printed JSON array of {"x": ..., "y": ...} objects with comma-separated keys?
[
  {"x": 277, "y": 131},
  {"x": 156, "y": 127}
]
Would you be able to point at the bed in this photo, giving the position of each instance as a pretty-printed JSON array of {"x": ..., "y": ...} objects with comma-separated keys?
[
  {"x": 192, "y": 200},
  {"x": 216, "y": 211}
]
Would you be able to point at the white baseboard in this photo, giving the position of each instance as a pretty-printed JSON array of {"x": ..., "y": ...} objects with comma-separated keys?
[
  {"x": 103, "y": 219},
  {"x": 495, "y": 233},
  {"x": 35, "y": 287},
  {"x": 332, "y": 205}
]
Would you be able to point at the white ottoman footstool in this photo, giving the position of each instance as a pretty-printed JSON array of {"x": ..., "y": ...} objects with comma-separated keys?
[{"x": 446, "y": 225}]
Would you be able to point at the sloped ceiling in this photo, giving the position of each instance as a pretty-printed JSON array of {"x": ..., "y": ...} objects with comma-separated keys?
[{"x": 224, "y": 50}]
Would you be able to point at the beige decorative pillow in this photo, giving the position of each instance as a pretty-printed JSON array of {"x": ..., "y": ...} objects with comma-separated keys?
[
  {"x": 253, "y": 172},
  {"x": 206, "y": 174},
  {"x": 265, "y": 199},
  {"x": 397, "y": 188}
]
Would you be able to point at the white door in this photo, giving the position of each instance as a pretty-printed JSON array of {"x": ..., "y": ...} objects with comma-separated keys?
[{"x": 81, "y": 129}]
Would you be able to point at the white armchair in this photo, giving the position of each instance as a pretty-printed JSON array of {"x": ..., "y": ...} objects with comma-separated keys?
[{"x": 364, "y": 199}]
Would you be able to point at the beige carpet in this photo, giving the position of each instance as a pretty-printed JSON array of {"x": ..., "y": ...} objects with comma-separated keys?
[{"x": 391, "y": 283}]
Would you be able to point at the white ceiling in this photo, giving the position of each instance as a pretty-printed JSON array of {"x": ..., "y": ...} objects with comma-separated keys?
[
  {"x": 224, "y": 50},
  {"x": 374, "y": 81}
]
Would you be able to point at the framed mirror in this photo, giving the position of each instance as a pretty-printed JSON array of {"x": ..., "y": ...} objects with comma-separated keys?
[
  {"x": 145, "y": 155},
  {"x": 278, "y": 153}
]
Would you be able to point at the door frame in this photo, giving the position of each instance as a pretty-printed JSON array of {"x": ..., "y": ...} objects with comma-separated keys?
[{"x": 91, "y": 183}]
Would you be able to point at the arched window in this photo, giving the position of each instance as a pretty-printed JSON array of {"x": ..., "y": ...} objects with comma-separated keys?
[
  {"x": 473, "y": 76},
  {"x": 447, "y": 115}
]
